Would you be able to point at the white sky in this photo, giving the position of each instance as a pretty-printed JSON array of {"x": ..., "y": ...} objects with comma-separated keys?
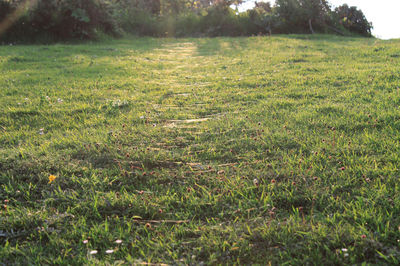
[{"x": 384, "y": 15}]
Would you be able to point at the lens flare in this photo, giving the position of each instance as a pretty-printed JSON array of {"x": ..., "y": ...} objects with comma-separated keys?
[{"x": 16, "y": 14}]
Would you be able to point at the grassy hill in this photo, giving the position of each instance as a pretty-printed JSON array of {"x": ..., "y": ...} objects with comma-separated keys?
[{"x": 225, "y": 150}]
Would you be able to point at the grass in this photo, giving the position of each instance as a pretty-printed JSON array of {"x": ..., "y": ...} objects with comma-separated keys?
[{"x": 281, "y": 150}]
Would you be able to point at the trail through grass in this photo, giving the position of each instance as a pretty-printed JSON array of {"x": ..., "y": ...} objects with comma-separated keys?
[{"x": 223, "y": 150}]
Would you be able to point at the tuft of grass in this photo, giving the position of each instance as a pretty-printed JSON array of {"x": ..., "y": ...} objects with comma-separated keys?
[{"x": 281, "y": 150}]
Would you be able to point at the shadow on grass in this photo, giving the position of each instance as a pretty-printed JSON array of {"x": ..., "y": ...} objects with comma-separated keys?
[
  {"x": 220, "y": 45},
  {"x": 21, "y": 55},
  {"x": 322, "y": 37}
]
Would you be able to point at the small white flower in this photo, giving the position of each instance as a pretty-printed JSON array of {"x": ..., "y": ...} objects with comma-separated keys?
[
  {"x": 41, "y": 131},
  {"x": 118, "y": 241},
  {"x": 142, "y": 117},
  {"x": 109, "y": 251},
  {"x": 59, "y": 100},
  {"x": 85, "y": 241},
  {"x": 93, "y": 252},
  {"x": 344, "y": 249},
  {"x": 346, "y": 254},
  {"x": 255, "y": 182}
]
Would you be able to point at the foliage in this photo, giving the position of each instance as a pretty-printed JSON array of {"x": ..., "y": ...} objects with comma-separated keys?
[
  {"x": 305, "y": 16},
  {"x": 353, "y": 20},
  {"x": 138, "y": 18},
  {"x": 317, "y": 12},
  {"x": 211, "y": 20},
  {"x": 81, "y": 19},
  {"x": 201, "y": 151},
  {"x": 62, "y": 20},
  {"x": 5, "y": 9},
  {"x": 290, "y": 15}
]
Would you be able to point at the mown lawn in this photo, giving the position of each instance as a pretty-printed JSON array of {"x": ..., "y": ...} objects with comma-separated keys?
[{"x": 282, "y": 150}]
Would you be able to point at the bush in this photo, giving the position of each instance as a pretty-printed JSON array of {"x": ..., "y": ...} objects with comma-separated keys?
[
  {"x": 136, "y": 21},
  {"x": 189, "y": 25},
  {"x": 263, "y": 19},
  {"x": 57, "y": 20},
  {"x": 60, "y": 20},
  {"x": 353, "y": 20},
  {"x": 220, "y": 20}
]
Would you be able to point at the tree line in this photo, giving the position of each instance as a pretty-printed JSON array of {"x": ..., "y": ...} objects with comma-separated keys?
[{"x": 60, "y": 20}]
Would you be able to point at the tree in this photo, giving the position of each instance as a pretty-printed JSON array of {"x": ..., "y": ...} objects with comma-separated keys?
[
  {"x": 316, "y": 11},
  {"x": 290, "y": 16},
  {"x": 303, "y": 15},
  {"x": 263, "y": 17},
  {"x": 264, "y": 6},
  {"x": 151, "y": 6},
  {"x": 353, "y": 20},
  {"x": 172, "y": 7}
]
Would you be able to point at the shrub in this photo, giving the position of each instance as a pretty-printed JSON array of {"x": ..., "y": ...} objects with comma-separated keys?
[
  {"x": 60, "y": 20},
  {"x": 136, "y": 21},
  {"x": 189, "y": 25},
  {"x": 353, "y": 20}
]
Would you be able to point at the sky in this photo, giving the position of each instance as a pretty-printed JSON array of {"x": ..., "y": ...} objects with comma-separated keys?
[{"x": 384, "y": 15}]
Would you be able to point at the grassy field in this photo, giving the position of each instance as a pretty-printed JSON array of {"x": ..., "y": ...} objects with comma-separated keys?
[{"x": 282, "y": 150}]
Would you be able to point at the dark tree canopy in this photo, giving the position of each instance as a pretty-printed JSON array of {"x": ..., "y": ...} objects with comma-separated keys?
[
  {"x": 56, "y": 20},
  {"x": 353, "y": 19}
]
